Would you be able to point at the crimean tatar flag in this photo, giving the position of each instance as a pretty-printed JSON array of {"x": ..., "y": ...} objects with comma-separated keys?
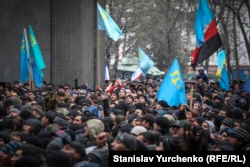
[
  {"x": 106, "y": 23},
  {"x": 172, "y": 89}
]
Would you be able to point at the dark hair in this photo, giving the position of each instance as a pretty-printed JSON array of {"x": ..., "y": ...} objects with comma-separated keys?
[
  {"x": 151, "y": 136},
  {"x": 18, "y": 123},
  {"x": 34, "y": 129},
  {"x": 27, "y": 161}
]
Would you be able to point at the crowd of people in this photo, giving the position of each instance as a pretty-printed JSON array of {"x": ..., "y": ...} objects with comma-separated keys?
[{"x": 64, "y": 126}]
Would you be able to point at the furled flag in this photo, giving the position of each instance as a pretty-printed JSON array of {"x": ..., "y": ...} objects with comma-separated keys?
[
  {"x": 106, "y": 23},
  {"x": 172, "y": 89},
  {"x": 145, "y": 63},
  {"x": 206, "y": 43},
  {"x": 36, "y": 52},
  {"x": 24, "y": 65},
  {"x": 106, "y": 73},
  {"x": 222, "y": 71},
  {"x": 38, "y": 79}
]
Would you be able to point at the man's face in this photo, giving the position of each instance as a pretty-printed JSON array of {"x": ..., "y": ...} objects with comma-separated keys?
[
  {"x": 175, "y": 131},
  {"x": 4, "y": 159},
  {"x": 44, "y": 120},
  {"x": 158, "y": 106},
  {"x": 222, "y": 113},
  {"x": 129, "y": 100},
  {"x": 117, "y": 145},
  {"x": 86, "y": 131},
  {"x": 13, "y": 95},
  {"x": 78, "y": 120},
  {"x": 18, "y": 154},
  {"x": 113, "y": 97},
  {"x": 13, "y": 114},
  {"x": 68, "y": 149},
  {"x": 17, "y": 138},
  {"x": 112, "y": 115},
  {"x": 26, "y": 129},
  {"x": 2, "y": 143}
]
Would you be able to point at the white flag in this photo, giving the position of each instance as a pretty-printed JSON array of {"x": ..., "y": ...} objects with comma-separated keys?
[{"x": 106, "y": 73}]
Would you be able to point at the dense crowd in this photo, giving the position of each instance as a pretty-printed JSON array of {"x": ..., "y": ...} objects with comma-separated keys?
[{"x": 64, "y": 126}]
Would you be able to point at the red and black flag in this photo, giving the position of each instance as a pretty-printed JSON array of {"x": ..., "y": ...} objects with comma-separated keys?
[{"x": 206, "y": 43}]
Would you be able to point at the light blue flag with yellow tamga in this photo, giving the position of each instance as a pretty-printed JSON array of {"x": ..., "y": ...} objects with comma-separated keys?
[
  {"x": 172, "y": 89},
  {"x": 145, "y": 63},
  {"x": 36, "y": 52},
  {"x": 106, "y": 23},
  {"x": 24, "y": 63}
]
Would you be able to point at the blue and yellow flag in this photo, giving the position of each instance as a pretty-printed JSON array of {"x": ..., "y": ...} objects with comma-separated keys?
[
  {"x": 221, "y": 60},
  {"x": 145, "y": 63},
  {"x": 222, "y": 71},
  {"x": 172, "y": 89},
  {"x": 204, "y": 16},
  {"x": 36, "y": 52},
  {"x": 106, "y": 23},
  {"x": 24, "y": 63}
]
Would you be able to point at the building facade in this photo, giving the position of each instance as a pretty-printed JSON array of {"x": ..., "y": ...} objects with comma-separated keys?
[{"x": 66, "y": 32}]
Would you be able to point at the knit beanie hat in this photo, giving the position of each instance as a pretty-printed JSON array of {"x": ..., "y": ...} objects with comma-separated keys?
[
  {"x": 16, "y": 110},
  {"x": 128, "y": 140},
  {"x": 237, "y": 113},
  {"x": 10, "y": 148},
  {"x": 240, "y": 134},
  {"x": 228, "y": 122},
  {"x": 131, "y": 117},
  {"x": 37, "y": 108},
  {"x": 5, "y": 136},
  {"x": 78, "y": 147},
  {"x": 163, "y": 123},
  {"x": 60, "y": 121},
  {"x": 26, "y": 107}
]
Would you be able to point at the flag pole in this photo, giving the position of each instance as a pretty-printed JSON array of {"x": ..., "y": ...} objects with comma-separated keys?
[
  {"x": 31, "y": 83},
  {"x": 191, "y": 97},
  {"x": 98, "y": 59}
]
